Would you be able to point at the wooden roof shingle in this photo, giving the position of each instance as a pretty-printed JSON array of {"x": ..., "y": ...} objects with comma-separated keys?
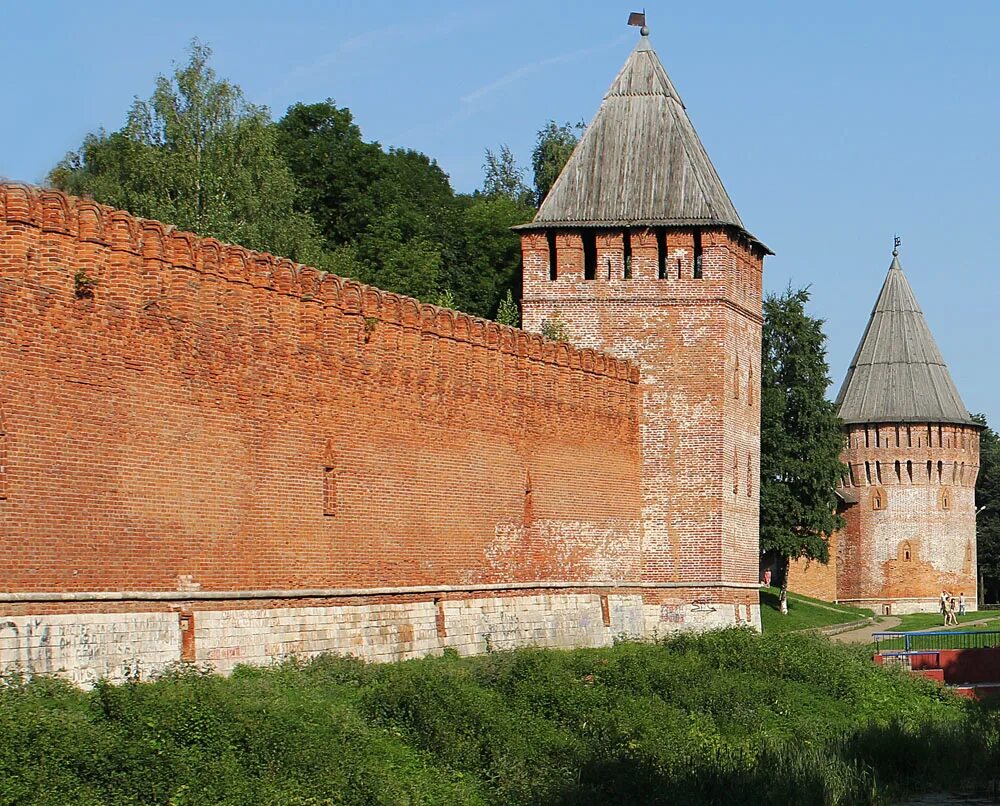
[
  {"x": 898, "y": 374},
  {"x": 640, "y": 162}
]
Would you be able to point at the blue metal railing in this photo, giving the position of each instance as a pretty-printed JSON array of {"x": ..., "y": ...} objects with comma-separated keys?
[{"x": 915, "y": 642}]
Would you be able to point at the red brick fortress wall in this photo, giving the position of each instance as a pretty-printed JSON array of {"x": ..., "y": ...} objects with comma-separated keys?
[
  {"x": 697, "y": 342},
  {"x": 186, "y": 422},
  {"x": 815, "y": 579}
]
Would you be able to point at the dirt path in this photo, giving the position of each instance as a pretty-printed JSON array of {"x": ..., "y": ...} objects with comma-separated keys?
[{"x": 863, "y": 635}]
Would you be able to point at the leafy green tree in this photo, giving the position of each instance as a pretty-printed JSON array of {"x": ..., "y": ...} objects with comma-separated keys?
[
  {"x": 333, "y": 167},
  {"x": 988, "y": 508},
  {"x": 504, "y": 178},
  {"x": 489, "y": 258},
  {"x": 197, "y": 155},
  {"x": 801, "y": 437},
  {"x": 508, "y": 313},
  {"x": 553, "y": 148}
]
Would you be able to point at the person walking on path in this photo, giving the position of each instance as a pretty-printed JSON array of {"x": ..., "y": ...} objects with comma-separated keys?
[
  {"x": 944, "y": 606},
  {"x": 952, "y": 605},
  {"x": 961, "y": 603}
]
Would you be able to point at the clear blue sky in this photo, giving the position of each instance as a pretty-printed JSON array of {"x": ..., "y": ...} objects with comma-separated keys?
[{"x": 833, "y": 126}]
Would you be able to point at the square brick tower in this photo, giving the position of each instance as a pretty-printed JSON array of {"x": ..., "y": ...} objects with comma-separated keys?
[{"x": 638, "y": 251}]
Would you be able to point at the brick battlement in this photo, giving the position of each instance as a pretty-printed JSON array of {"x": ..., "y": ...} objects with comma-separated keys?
[{"x": 90, "y": 223}]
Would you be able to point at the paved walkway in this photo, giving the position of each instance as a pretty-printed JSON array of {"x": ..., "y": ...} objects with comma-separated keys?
[{"x": 865, "y": 635}]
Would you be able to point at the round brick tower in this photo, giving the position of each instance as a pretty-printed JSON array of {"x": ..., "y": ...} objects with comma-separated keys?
[{"x": 913, "y": 456}]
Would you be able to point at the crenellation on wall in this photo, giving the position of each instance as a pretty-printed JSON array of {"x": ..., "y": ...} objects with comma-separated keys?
[{"x": 115, "y": 230}]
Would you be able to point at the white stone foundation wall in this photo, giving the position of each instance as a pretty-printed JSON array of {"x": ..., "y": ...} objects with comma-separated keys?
[
  {"x": 902, "y": 607},
  {"x": 120, "y": 646},
  {"x": 86, "y": 647},
  {"x": 667, "y": 619}
]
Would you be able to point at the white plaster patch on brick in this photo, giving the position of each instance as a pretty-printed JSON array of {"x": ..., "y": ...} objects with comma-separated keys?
[{"x": 85, "y": 647}]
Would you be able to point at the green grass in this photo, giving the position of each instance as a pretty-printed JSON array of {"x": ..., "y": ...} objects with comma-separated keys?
[
  {"x": 931, "y": 621},
  {"x": 804, "y": 613},
  {"x": 728, "y": 717}
]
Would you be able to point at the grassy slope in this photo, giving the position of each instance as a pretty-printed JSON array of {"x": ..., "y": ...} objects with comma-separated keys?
[
  {"x": 935, "y": 621},
  {"x": 728, "y": 717},
  {"x": 804, "y": 613}
]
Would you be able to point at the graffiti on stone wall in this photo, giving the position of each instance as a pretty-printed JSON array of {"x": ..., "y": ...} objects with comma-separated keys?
[
  {"x": 32, "y": 652},
  {"x": 84, "y": 651}
]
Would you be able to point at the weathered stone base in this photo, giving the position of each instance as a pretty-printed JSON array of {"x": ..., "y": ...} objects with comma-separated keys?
[
  {"x": 902, "y": 607},
  {"x": 86, "y": 646}
]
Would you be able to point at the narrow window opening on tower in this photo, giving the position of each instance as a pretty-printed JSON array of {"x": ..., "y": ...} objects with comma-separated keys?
[
  {"x": 940, "y": 472},
  {"x": 551, "y": 237},
  {"x": 945, "y": 500},
  {"x": 909, "y": 437},
  {"x": 627, "y": 253},
  {"x": 930, "y": 470},
  {"x": 909, "y": 471},
  {"x": 850, "y": 476},
  {"x": 930, "y": 440},
  {"x": 661, "y": 254},
  {"x": 899, "y": 472},
  {"x": 589, "y": 255},
  {"x": 897, "y": 436},
  {"x": 961, "y": 474},
  {"x": 878, "y": 472},
  {"x": 878, "y": 437},
  {"x": 954, "y": 472},
  {"x": 698, "y": 257},
  {"x": 905, "y": 552},
  {"x": 868, "y": 472},
  {"x": 878, "y": 502},
  {"x": 329, "y": 480},
  {"x": 867, "y": 438},
  {"x": 3, "y": 456}
]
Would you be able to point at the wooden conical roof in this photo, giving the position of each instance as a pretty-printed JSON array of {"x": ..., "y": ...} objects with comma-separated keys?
[
  {"x": 898, "y": 374},
  {"x": 640, "y": 162}
]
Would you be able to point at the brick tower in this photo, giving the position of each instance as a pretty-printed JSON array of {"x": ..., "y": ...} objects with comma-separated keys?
[
  {"x": 913, "y": 457},
  {"x": 638, "y": 251}
]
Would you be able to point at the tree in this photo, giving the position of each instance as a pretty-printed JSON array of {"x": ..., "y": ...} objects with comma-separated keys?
[
  {"x": 334, "y": 168},
  {"x": 801, "y": 437},
  {"x": 553, "y": 148},
  {"x": 508, "y": 313},
  {"x": 504, "y": 178},
  {"x": 988, "y": 507},
  {"x": 197, "y": 155}
]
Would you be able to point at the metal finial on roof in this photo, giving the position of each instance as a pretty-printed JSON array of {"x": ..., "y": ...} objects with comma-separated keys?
[{"x": 895, "y": 245}]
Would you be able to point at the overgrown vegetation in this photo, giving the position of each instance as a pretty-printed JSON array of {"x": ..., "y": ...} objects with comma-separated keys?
[{"x": 729, "y": 717}]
